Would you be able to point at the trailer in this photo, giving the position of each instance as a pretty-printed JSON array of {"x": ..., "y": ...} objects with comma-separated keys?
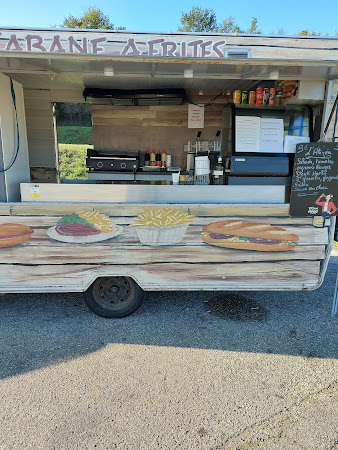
[{"x": 218, "y": 218}]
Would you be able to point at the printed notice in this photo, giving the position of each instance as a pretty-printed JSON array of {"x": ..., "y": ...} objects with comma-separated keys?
[
  {"x": 195, "y": 116},
  {"x": 272, "y": 136},
  {"x": 247, "y": 134},
  {"x": 34, "y": 190},
  {"x": 290, "y": 143}
]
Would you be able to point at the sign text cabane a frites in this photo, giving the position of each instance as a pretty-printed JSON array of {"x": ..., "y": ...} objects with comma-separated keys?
[{"x": 113, "y": 44}]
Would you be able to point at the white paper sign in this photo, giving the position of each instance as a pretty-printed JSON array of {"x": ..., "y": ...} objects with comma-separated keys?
[
  {"x": 34, "y": 190},
  {"x": 272, "y": 136},
  {"x": 195, "y": 116},
  {"x": 247, "y": 134},
  {"x": 291, "y": 142}
]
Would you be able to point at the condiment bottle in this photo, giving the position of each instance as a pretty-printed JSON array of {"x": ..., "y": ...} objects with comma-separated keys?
[
  {"x": 163, "y": 159},
  {"x": 147, "y": 158},
  {"x": 158, "y": 158},
  {"x": 152, "y": 158}
]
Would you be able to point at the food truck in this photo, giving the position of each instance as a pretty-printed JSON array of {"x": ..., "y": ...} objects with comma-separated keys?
[{"x": 190, "y": 176}]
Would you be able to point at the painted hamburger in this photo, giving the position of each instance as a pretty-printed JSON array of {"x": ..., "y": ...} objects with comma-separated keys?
[
  {"x": 13, "y": 234},
  {"x": 84, "y": 227},
  {"x": 242, "y": 235}
]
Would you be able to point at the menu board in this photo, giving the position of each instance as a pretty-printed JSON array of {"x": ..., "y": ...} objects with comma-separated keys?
[{"x": 315, "y": 180}]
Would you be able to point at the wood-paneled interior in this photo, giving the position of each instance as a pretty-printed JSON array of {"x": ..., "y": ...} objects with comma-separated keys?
[
  {"x": 154, "y": 127},
  {"x": 43, "y": 264}
]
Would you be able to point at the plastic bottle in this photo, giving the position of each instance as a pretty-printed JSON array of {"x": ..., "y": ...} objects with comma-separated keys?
[
  {"x": 158, "y": 159},
  {"x": 219, "y": 172},
  {"x": 152, "y": 158},
  {"x": 163, "y": 159},
  {"x": 147, "y": 158}
]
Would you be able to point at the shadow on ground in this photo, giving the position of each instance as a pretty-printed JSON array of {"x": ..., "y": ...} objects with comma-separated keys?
[{"x": 37, "y": 330}]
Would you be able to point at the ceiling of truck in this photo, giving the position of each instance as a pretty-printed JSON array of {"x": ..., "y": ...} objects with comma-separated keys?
[{"x": 76, "y": 73}]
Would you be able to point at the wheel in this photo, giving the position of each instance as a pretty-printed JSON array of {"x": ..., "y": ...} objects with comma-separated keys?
[{"x": 114, "y": 297}]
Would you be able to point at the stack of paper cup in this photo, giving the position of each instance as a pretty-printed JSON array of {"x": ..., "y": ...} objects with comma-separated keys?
[
  {"x": 168, "y": 161},
  {"x": 202, "y": 165}
]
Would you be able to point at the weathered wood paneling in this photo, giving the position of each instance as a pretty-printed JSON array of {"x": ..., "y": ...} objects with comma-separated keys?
[
  {"x": 42, "y": 251},
  {"x": 164, "y": 276},
  {"x": 40, "y": 129},
  {"x": 132, "y": 209}
]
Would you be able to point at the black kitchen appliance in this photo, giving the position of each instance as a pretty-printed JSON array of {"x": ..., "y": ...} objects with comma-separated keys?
[{"x": 113, "y": 160}]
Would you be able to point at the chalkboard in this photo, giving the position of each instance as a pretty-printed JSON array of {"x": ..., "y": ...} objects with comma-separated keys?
[{"x": 315, "y": 180}]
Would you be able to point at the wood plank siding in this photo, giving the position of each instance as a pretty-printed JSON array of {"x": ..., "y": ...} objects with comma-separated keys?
[{"x": 43, "y": 264}]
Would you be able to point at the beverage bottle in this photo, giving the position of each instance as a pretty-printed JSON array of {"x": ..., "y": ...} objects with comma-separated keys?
[
  {"x": 147, "y": 158},
  {"x": 158, "y": 158},
  {"x": 163, "y": 159},
  {"x": 152, "y": 158},
  {"x": 219, "y": 172}
]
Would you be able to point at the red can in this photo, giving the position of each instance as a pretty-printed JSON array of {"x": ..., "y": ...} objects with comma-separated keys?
[
  {"x": 259, "y": 96},
  {"x": 252, "y": 97},
  {"x": 272, "y": 96}
]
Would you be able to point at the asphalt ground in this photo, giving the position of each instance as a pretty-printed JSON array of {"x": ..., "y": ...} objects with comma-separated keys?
[{"x": 186, "y": 371}]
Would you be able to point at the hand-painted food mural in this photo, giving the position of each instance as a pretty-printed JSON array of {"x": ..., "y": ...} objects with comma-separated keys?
[
  {"x": 162, "y": 226},
  {"x": 238, "y": 234},
  {"x": 84, "y": 227},
  {"x": 13, "y": 234}
]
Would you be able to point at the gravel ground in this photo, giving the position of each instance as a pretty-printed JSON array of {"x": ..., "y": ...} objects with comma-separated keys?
[{"x": 202, "y": 371}]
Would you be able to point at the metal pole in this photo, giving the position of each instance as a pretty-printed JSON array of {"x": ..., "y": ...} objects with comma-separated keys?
[{"x": 335, "y": 299}]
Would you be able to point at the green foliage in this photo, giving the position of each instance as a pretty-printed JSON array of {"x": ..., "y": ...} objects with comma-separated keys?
[
  {"x": 93, "y": 18},
  {"x": 198, "y": 20},
  {"x": 76, "y": 114},
  {"x": 307, "y": 33},
  {"x": 75, "y": 135},
  {"x": 253, "y": 29},
  {"x": 72, "y": 161}
]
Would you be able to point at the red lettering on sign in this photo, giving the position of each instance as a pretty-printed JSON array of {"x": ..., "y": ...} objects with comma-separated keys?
[
  {"x": 130, "y": 46},
  {"x": 169, "y": 48},
  {"x": 56, "y": 44},
  {"x": 151, "y": 49},
  {"x": 216, "y": 49},
  {"x": 73, "y": 43},
  {"x": 194, "y": 45},
  {"x": 13, "y": 42},
  {"x": 31, "y": 37},
  {"x": 96, "y": 48}
]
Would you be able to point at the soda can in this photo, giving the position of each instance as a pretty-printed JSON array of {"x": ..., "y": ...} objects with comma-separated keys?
[
  {"x": 259, "y": 96},
  {"x": 272, "y": 96},
  {"x": 245, "y": 97},
  {"x": 266, "y": 96},
  {"x": 252, "y": 97},
  {"x": 237, "y": 97}
]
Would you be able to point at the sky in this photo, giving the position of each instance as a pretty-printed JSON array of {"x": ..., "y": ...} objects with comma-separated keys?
[{"x": 152, "y": 16}]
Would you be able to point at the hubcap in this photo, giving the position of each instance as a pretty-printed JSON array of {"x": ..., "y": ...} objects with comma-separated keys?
[{"x": 113, "y": 289}]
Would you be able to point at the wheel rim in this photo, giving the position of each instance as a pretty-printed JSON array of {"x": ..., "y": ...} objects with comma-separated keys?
[{"x": 113, "y": 292}]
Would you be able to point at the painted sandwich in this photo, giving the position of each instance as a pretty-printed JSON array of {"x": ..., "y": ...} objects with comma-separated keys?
[
  {"x": 14, "y": 234},
  {"x": 84, "y": 227},
  {"x": 242, "y": 235}
]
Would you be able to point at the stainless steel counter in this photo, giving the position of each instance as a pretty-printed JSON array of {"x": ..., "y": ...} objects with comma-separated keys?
[{"x": 128, "y": 193}]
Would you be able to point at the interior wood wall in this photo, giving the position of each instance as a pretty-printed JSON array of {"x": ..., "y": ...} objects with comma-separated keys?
[{"x": 154, "y": 127}]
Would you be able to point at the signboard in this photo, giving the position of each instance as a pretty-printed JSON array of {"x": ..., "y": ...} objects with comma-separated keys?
[
  {"x": 195, "y": 116},
  {"x": 114, "y": 44},
  {"x": 315, "y": 180}
]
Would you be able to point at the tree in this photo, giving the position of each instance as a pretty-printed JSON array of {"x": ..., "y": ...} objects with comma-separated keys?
[
  {"x": 229, "y": 26},
  {"x": 253, "y": 27},
  {"x": 307, "y": 33},
  {"x": 93, "y": 18},
  {"x": 198, "y": 20}
]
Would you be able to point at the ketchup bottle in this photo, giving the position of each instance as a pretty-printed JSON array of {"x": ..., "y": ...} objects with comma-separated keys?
[
  {"x": 147, "y": 158},
  {"x": 158, "y": 158}
]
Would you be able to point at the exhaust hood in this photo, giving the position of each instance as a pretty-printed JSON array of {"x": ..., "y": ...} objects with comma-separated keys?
[{"x": 140, "y": 97}]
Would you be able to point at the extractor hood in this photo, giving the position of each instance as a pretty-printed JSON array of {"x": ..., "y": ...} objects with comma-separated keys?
[{"x": 140, "y": 97}]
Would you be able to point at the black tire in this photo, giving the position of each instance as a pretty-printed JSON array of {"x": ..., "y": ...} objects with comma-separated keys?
[{"x": 114, "y": 297}]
